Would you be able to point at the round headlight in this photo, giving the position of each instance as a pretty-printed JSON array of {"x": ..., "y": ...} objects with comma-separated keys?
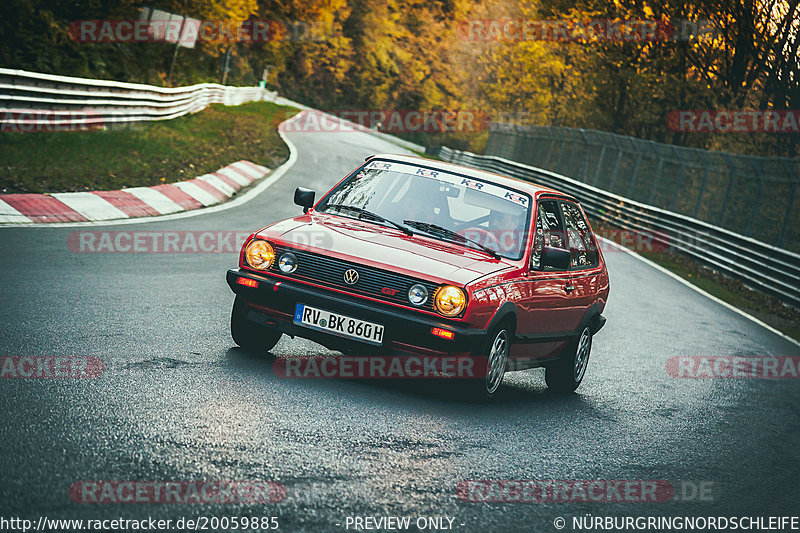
[
  {"x": 450, "y": 300},
  {"x": 417, "y": 294},
  {"x": 287, "y": 263},
  {"x": 259, "y": 254}
]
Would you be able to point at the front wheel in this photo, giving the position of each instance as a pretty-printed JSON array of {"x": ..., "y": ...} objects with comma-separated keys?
[
  {"x": 491, "y": 367},
  {"x": 567, "y": 373},
  {"x": 250, "y": 336}
]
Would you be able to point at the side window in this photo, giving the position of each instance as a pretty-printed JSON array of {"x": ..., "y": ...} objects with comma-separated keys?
[
  {"x": 580, "y": 241},
  {"x": 549, "y": 231}
]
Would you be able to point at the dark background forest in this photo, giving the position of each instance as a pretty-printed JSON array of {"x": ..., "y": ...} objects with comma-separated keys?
[{"x": 412, "y": 55}]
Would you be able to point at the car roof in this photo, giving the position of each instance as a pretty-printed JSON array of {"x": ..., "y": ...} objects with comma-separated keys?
[{"x": 526, "y": 186}]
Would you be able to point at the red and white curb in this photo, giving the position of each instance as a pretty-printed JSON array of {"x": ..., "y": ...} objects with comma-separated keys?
[{"x": 134, "y": 202}]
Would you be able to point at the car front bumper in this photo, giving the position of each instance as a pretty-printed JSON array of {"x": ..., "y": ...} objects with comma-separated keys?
[{"x": 272, "y": 303}]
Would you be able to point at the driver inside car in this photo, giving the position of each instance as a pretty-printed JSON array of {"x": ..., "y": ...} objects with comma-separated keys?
[
  {"x": 427, "y": 203},
  {"x": 506, "y": 228}
]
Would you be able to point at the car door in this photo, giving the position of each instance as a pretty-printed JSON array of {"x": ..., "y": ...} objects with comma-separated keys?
[
  {"x": 582, "y": 287},
  {"x": 544, "y": 305}
]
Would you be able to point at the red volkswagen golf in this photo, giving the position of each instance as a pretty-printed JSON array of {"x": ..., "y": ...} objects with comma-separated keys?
[{"x": 418, "y": 257}]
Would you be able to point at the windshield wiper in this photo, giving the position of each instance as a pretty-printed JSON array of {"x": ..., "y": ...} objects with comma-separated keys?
[
  {"x": 363, "y": 213},
  {"x": 434, "y": 229}
]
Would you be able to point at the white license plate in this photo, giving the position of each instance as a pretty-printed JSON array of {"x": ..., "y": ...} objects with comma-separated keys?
[{"x": 336, "y": 324}]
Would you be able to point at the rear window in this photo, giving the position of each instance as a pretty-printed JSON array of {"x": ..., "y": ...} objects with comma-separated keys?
[
  {"x": 549, "y": 231},
  {"x": 580, "y": 241}
]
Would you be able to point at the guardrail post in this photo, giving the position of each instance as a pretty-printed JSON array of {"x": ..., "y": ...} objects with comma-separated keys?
[
  {"x": 788, "y": 214},
  {"x": 585, "y": 165},
  {"x": 756, "y": 203},
  {"x": 614, "y": 172},
  {"x": 656, "y": 179},
  {"x": 557, "y": 166},
  {"x": 540, "y": 139},
  {"x": 679, "y": 182},
  {"x": 531, "y": 144},
  {"x": 635, "y": 170},
  {"x": 616, "y": 167},
  {"x": 599, "y": 165},
  {"x": 517, "y": 146},
  {"x": 726, "y": 199},
  {"x": 701, "y": 192},
  {"x": 551, "y": 149}
]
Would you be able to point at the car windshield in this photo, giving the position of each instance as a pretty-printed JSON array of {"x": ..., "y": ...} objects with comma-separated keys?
[{"x": 464, "y": 210}]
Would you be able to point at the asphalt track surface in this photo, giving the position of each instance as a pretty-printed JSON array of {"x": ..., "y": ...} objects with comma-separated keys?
[{"x": 178, "y": 401}]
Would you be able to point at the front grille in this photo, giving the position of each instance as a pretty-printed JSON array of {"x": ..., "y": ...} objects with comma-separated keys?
[{"x": 371, "y": 281}]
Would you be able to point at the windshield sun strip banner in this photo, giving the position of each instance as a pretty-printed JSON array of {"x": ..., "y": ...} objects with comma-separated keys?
[{"x": 489, "y": 188}]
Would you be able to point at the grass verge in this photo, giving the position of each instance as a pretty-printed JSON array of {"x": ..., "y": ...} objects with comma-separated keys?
[
  {"x": 143, "y": 154},
  {"x": 766, "y": 308}
]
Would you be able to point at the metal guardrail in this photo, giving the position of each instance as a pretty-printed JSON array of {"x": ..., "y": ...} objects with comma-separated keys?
[
  {"x": 33, "y": 99},
  {"x": 408, "y": 145},
  {"x": 755, "y": 196},
  {"x": 30, "y": 100},
  {"x": 772, "y": 270}
]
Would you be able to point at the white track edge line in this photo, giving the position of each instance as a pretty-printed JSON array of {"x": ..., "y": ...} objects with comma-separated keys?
[
  {"x": 289, "y": 163},
  {"x": 249, "y": 195},
  {"x": 701, "y": 291}
]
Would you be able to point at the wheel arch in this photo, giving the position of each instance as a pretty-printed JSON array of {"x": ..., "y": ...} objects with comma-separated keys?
[
  {"x": 506, "y": 312},
  {"x": 593, "y": 318}
]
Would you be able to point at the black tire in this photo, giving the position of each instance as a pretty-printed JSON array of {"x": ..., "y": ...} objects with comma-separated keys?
[
  {"x": 487, "y": 386},
  {"x": 567, "y": 373},
  {"x": 252, "y": 337}
]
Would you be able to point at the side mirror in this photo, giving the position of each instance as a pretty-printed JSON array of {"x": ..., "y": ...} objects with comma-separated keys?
[
  {"x": 555, "y": 258},
  {"x": 304, "y": 198}
]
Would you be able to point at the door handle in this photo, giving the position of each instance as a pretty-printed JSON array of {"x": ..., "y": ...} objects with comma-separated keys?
[{"x": 569, "y": 287}]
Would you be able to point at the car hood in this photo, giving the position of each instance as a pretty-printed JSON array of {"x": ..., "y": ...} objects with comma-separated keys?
[{"x": 385, "y": 248}]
